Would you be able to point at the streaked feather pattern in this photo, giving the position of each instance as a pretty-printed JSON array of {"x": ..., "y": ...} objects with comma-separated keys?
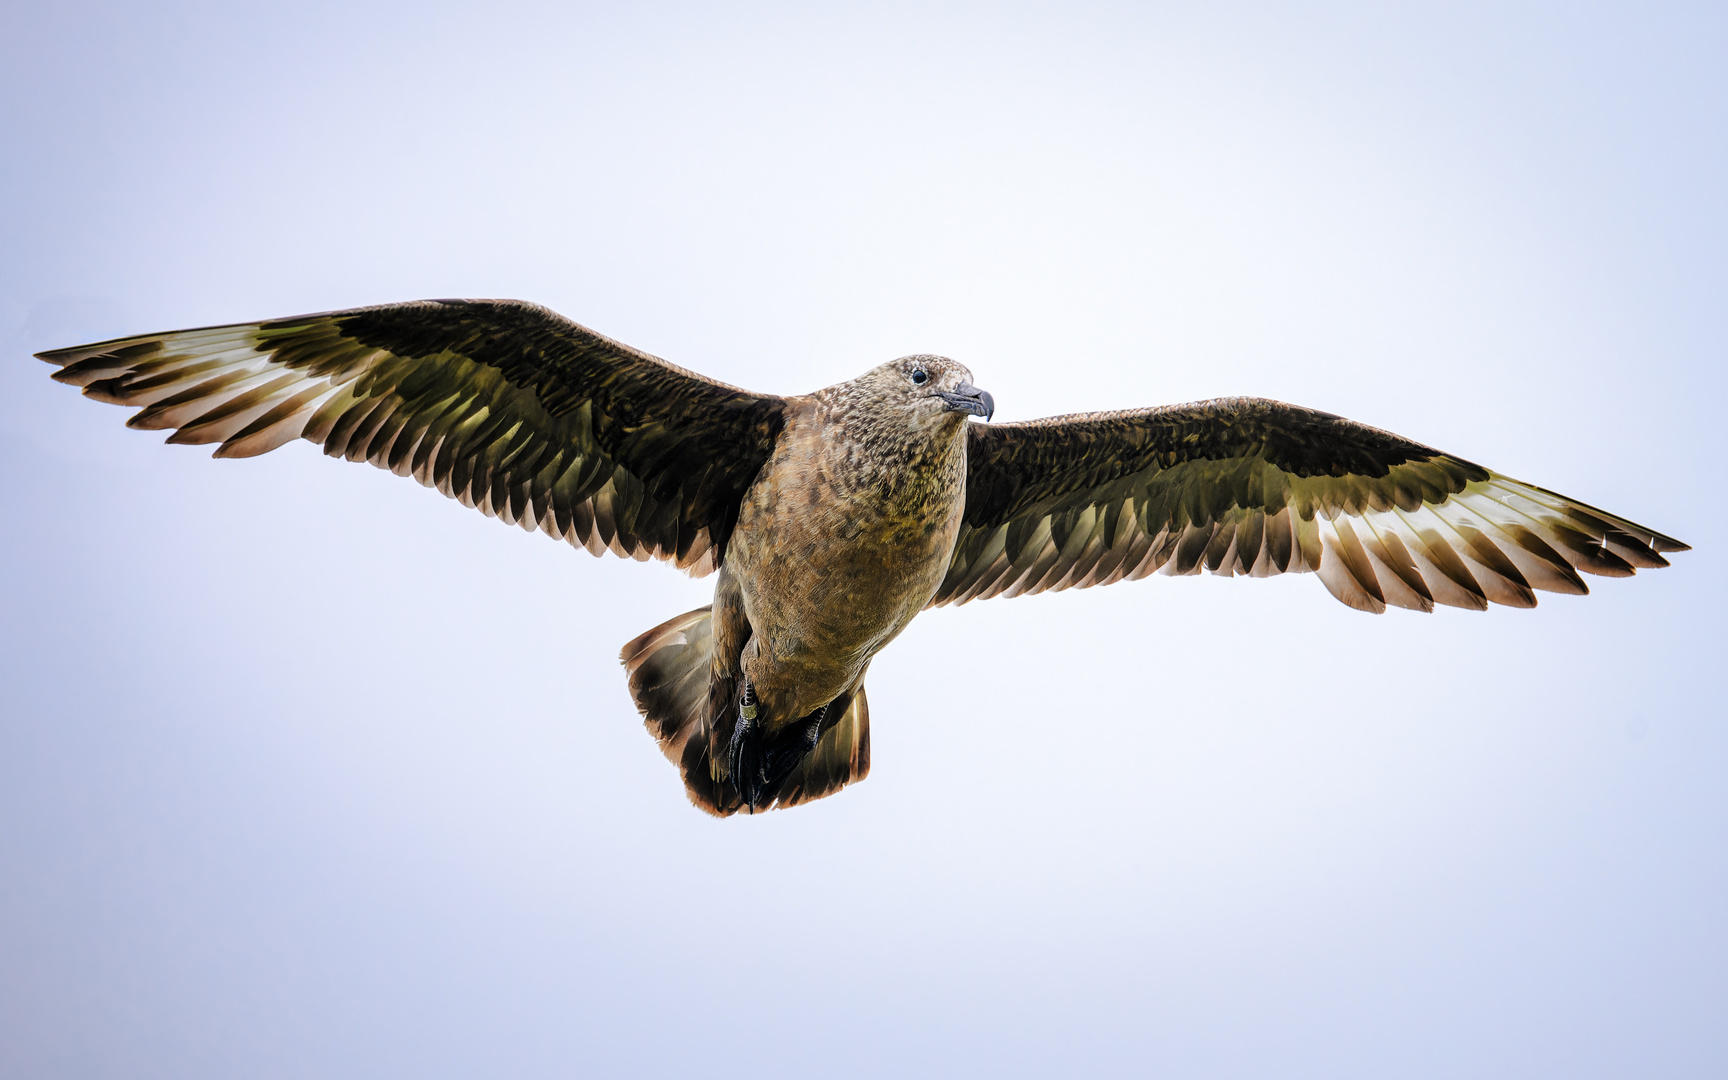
[
  {"x": 502, "y": 405},
  {"x": 1258, "y": 487}
]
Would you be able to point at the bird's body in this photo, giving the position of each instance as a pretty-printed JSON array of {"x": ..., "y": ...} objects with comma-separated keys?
[
  {"x": 834, "y": 518},
  {"x": 843, "y": 538}
]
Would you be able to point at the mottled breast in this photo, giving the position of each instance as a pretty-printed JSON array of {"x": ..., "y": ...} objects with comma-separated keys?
[{"x": 842, "y": 540}]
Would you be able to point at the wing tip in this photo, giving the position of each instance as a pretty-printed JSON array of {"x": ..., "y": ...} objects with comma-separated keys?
[{"x": 65, "y": 359}]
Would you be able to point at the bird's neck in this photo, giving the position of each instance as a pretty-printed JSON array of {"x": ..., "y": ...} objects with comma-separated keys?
[{"x": 889, "y": 461}]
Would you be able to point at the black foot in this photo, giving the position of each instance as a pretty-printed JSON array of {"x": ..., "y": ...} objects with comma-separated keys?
[{"x": 760, "y": 760}]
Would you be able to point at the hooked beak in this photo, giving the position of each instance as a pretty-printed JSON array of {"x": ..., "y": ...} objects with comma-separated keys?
[{"x": 967, "y": 398}]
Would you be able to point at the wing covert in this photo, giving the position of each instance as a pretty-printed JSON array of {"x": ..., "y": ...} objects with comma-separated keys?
[
  {"x": 1259, "y": 487},
  {"x": 503, "y": 405}
]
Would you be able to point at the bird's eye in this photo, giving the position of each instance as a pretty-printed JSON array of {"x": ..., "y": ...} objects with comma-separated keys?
[{"x": 919, "y": 377}]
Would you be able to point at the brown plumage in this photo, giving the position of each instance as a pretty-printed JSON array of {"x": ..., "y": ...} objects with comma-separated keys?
[{"x": 833, "y": 518}]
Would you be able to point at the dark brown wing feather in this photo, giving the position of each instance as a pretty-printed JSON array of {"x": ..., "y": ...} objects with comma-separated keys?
[
  {"x": 1251, "y": 486},
  {"x": 501, "y": 404}
]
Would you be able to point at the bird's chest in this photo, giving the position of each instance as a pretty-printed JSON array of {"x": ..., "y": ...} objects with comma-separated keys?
[{"x": 837, "y": 554}]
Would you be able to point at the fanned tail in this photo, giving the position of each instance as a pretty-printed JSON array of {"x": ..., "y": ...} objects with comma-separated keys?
[{"x": 669, "y": 670}]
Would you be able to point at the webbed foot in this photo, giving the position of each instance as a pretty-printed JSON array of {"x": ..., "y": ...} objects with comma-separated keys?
[{"x": 761, "y": 759}]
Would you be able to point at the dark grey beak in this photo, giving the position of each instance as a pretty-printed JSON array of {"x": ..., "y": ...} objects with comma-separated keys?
[{"x": 967, "y": 398}]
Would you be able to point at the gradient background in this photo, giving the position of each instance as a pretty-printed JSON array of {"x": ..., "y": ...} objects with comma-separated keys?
[{"x": 308, "y": 772}]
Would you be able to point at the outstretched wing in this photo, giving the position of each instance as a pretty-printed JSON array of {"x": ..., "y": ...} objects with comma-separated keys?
[
  {"x": 504, "y": 405},
  {"x": 1258, "y": 487}
]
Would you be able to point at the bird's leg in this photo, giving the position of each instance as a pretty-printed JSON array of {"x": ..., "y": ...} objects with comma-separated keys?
[
  {"x": 818, "y": 723},
  {"x": 739, "y": 758}
]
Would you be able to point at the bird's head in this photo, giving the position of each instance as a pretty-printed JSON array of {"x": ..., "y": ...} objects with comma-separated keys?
[{"x": 934, "y": 392}]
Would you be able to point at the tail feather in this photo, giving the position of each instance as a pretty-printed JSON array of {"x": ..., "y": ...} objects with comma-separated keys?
[
  {"x": 669, "y": 672},
  {"x": 841, "y": 757}
]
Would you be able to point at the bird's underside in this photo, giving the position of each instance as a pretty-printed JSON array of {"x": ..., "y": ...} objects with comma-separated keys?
[{"x": 835, "y": 516}]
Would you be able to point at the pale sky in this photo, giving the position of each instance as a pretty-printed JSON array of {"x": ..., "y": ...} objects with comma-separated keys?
[{"x": 306, "y": 771}]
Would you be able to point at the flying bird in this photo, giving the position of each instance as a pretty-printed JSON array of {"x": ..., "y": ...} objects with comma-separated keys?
[{"x": 831, "y": 519}]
